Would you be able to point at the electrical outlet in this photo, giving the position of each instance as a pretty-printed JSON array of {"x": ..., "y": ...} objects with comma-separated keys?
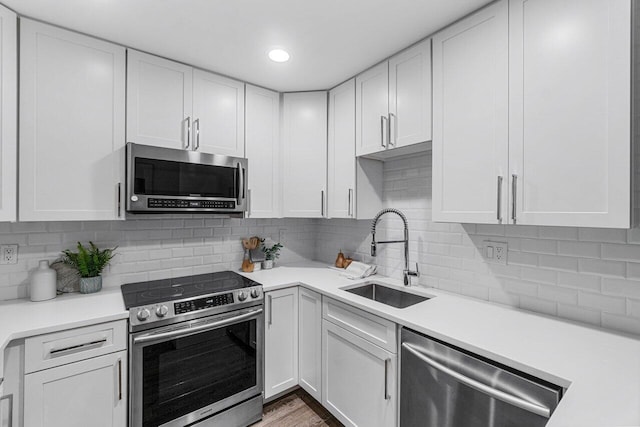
[
  {"x": 495, "y": 252},
  {"x": 282, "y": 236},
  {"x": 9, "y": 254}
]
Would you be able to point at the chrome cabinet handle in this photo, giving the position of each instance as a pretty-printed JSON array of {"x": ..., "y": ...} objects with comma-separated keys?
[
  {"x": 393, "y": 129},
  {"x": 119, "y": 379},
  {"x": 188, "y": 121},
  {"x": 196, "y": 124},
  {"x": 322, "y": 203},
  {"x": 383, "y": 130},
  {"x": 514, "y": 193},
  {"x": 270, "y": 310},
  {"x": 499, "y": 207},
  {"x": 387, "y": 396},
  {"x": 189, "y": 330},
  {"x": 76, "y": 348},
  {"x": 350, "y": 206},
  {"x": 119, "y": 199},
  {"x": 9, "y": 399},
  {"x": 249, "y": 202},
  {"x": 516, "y": 401}
]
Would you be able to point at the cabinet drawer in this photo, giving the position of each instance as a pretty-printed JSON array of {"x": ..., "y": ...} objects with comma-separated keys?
[
  {"x": 59, "y": 348},
  {"x": 374, "y": 329}
]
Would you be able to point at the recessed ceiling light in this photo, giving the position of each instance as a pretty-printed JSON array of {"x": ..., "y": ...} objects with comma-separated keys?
[{"x": 279, "y": 55}]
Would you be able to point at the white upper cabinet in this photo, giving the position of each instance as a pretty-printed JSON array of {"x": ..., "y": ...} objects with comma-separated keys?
[
  {"x": 532, "y": 124},
  {"x": 173, "y": 105},
  {"x": 570, "y": 102},
  {"x": 158, "y": 101},
  {"x": 305, "y": 154},
  {"x": 354, "y": 184},
  {"x": 393, "y": 102},
  {"x": 262, "y": 123},
  {"x": 341, "y": 168},
  {"x": 8, "y": 114},
  {"x": 218, "y": 111},
  {"x": 72, "y": 125},
  {"x": 410, "y": 96},
  {"x": 470, "y": 118}
]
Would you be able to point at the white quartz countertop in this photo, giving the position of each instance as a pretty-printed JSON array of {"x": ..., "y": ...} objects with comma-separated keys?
[
  {"x": 600, "y": 370},
  {"x": 23, "y": 318}
]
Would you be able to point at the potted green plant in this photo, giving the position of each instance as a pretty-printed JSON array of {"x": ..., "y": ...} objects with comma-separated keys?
[
  {"x": 271, "y": 253},
  {"x": 89, "y": 262}
]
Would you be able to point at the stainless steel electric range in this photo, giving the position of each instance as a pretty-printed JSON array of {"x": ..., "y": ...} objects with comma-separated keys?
[{"x": 196, "y": 350}]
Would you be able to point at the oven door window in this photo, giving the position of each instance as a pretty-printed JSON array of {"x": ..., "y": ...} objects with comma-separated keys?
[{"x": 186, "y": 374}]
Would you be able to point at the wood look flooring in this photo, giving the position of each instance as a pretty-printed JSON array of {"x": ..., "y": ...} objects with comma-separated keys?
[{"x": 296, "y": 409}]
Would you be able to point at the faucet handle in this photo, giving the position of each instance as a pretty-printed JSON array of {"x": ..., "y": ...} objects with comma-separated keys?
[{"x": 415, "y": 273}]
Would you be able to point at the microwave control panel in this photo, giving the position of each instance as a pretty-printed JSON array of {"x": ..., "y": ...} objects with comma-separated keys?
[{"x": 190, "y": 204}]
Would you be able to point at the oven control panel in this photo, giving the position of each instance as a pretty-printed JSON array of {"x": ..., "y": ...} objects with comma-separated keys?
[{"x": 202, "y": 303}]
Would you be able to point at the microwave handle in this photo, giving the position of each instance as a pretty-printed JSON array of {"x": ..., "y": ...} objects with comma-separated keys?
[{"x": 240, "y": 190}]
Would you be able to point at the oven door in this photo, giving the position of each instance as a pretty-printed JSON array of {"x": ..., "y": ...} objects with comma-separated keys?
[{"x": 185, "y": 372}]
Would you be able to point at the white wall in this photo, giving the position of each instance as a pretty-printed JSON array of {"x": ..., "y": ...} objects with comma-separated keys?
[
  {"x": 583, "y": 274},
  {"x": 152, "y": 247}
]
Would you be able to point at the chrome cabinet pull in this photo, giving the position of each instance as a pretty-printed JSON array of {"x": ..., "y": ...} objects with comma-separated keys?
[
  {"x": 196, "y": 124},
  {"x": 270, "y": 309},
  {"x": 350, "y": 207},
  {"x": 387, "y": 396},
  {"x": 383, "y": 130},
  {"x": 119, "y": 379},
  {"x": 393, "y": 129},
  {"x": 499, "y": 208},
  {"x": 79, "y": 347},
  {"x": 188, "y": 121},
  {"x": 119, "y": 199},
  {"x": 249, "y": 202},
  {"x": 322, "y": 203},
  {"x": 9, "y": 399},
  {"x": 514, "y": 193},
  {"x": 516, "y": 401}
]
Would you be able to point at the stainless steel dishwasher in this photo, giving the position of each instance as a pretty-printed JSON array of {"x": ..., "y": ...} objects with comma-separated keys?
[{"x": 441, "y": 386}]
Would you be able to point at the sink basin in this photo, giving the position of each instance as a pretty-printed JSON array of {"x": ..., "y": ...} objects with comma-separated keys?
[{"x": 386, "y": 295}]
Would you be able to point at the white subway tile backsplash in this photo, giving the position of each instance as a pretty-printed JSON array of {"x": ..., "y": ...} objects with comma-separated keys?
[
  {"x": 602, "y": 268},
  {"x": 603, "y": 235},
  {"x": 579, "y": 249},
  {"x": 539, "y": 246},
  {"x": 606, "y": 304}
]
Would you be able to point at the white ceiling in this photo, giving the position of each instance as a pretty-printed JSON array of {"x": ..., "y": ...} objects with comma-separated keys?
[{"x": 329, "y": 40}]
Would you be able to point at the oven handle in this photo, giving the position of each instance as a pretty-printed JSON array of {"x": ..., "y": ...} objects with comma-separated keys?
[{"x": 199, "y": 328}]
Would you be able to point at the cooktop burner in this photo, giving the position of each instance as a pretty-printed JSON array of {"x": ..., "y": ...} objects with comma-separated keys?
[{"x": 164, "y": 290}]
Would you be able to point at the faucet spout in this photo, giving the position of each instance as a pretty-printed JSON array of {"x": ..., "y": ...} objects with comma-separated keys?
[{"x": 406, "y": 273}]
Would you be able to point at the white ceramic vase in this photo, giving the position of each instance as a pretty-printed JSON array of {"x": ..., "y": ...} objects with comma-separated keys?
[{"x": 43, "y": 283}]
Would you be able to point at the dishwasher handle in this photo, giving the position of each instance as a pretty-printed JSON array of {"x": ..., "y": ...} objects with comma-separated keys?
[{"x": 477, "y": 385}]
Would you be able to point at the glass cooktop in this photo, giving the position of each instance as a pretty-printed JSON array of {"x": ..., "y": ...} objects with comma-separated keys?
[{"x": 163, "y": 290}]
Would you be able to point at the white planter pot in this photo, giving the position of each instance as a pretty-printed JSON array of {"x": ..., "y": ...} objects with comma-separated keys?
[{"x": 267, "y": 264}]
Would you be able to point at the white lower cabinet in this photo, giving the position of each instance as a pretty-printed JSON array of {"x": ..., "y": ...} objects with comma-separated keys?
[
  {"x": 358, "y": 379},
  {"x": 281, "y": 341},
  {"x": 310, "y": 342},
  {"x": 91, "y": 392}
]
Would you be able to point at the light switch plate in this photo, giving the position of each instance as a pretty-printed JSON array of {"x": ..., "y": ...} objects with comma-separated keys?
[{"x": 495, "y": 252}]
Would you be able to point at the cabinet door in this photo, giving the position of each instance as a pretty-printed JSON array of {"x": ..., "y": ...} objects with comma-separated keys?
[
  {"x": 358, "y": 379},
  {"x": 310, "y": 342},
  {"x": 158, "y": 101},
  {"x": 305, "y": 154},
  {"x": 372, "y": 110},
  {"x": 341, "y": 168},
  {"x": 72, "y": 125},
  {"x": 92, "y": 392},
  {"x": 470, "y": 118},
  {"x": 218, "y": 112},
  {"x": 281, "y": 341},
  {"x": 8, "y": 114},
  {"x": 410, "y": 96},
  {"x": 262, "y": 124},
  {"x": 570, "y": 94}
]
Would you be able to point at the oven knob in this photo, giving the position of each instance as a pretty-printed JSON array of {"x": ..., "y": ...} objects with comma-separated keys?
[
  {"x": 143, "y": 314},
  {"x": 242, "y": 296},
  {"x": 255, "y": 293},
  {"x": 162, "y": 311}
]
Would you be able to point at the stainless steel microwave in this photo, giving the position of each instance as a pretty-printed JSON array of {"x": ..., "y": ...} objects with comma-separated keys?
[{"x": 163, "y": 180}]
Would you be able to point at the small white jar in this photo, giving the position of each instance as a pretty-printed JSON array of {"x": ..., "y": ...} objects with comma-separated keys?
[{"x": 43, "y": 283}]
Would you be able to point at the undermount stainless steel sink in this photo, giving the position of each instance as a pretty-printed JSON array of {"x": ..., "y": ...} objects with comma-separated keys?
[{"x": 386, "y": 295}]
